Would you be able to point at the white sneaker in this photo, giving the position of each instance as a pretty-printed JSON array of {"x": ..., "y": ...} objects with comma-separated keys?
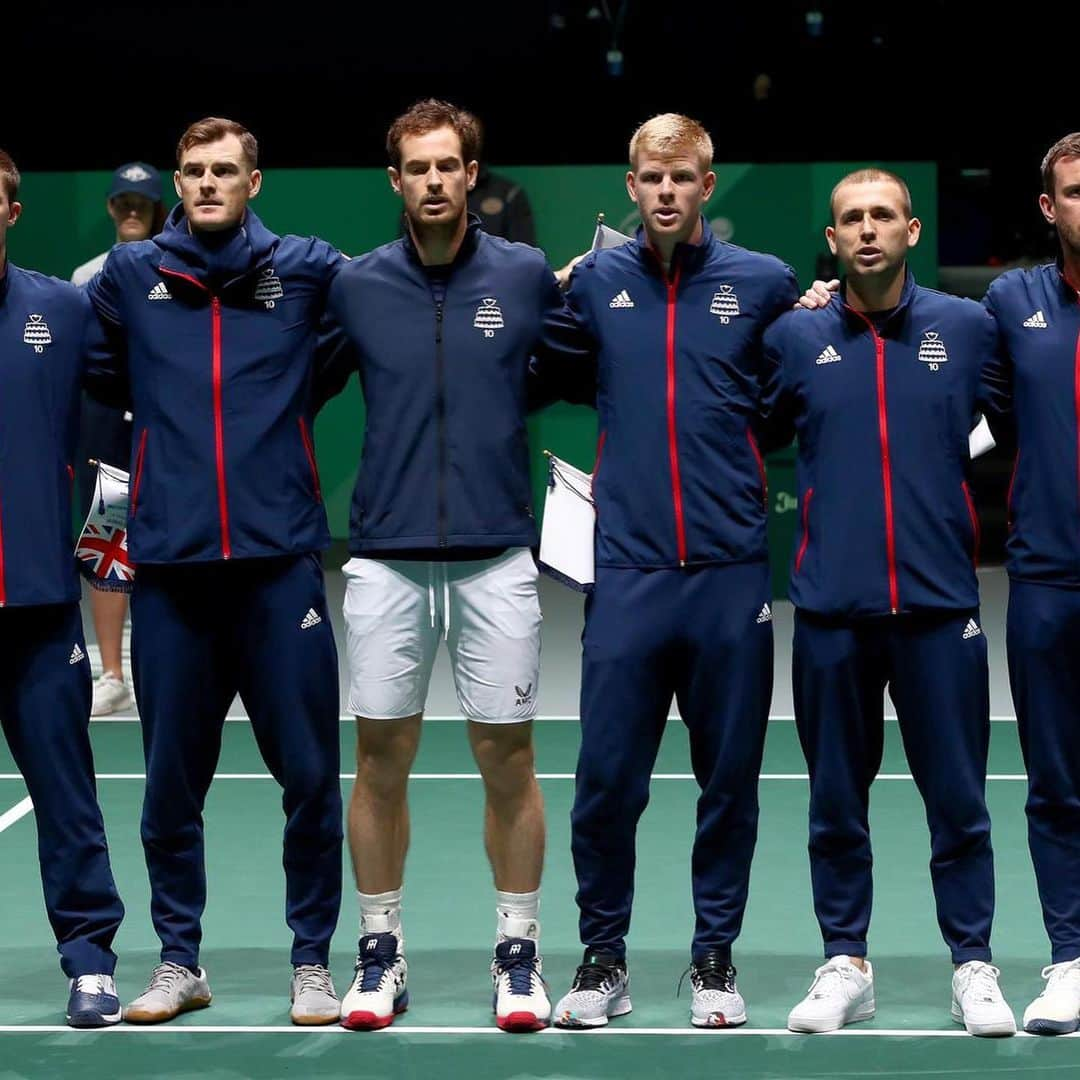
[
  {"x": 173, "y": 989},
  {"x": 601, "y": 989},
  {"x": 977, "y": 1002},
  {"x": 1056, "y": 1011},
  {"x": 313, "y": 997},
  {"x": 520, "y": 997},
  {"x": 717, "y": 1002},
  {"x": 378, "y": 990},
  {"x": 840, "y": 994},
  {"x": 110, "y": 694}
]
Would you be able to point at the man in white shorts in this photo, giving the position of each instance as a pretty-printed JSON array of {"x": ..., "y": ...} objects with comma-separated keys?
[{"x": 443, "y": 323}]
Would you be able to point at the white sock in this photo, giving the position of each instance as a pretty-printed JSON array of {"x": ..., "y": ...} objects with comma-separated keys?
[
  {"x": 380, "y": 913},
  {"x": 517, "y": 914}
]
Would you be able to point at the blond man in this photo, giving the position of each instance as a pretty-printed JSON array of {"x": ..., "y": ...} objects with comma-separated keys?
[{"x": 680, "y": 607}]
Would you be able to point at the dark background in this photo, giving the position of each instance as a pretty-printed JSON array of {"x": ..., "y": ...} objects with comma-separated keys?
[{"x": 981, "y": 92}]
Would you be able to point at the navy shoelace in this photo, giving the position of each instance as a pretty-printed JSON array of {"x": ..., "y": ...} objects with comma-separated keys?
[{"x": 521, "y": 970}]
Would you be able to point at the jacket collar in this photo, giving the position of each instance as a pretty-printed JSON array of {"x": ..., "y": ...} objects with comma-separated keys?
[
  {"x": 1070, "y": 288},
  {"x": 896, "y": 317},
  {"x": 686, "y": 258},
  {"x": 186, "y": 255},
  {"x": 469, "y": 243}
]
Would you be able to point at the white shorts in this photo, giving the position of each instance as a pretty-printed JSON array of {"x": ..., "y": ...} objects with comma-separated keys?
[{"x": 488, "y": 612}]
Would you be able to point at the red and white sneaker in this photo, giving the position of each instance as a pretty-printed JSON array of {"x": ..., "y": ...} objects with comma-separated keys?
[
  {"x": 378, "y": 990},
  {"x": 520, "y": 997}
]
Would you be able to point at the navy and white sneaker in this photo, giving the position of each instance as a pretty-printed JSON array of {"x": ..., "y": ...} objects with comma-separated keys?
[
  {"x": 520, "y": 998},
  {"x": 1056, "y": 1011},
  {"x": 93, "y": 1003},
  {"x": 378, "y": 990}
]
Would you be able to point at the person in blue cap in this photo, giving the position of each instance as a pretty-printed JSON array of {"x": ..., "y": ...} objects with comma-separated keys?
[{"x": 135, "y": 206}]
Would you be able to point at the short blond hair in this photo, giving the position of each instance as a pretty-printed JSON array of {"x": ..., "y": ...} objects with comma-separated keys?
[
  {"x": 871, "y": 176},
  {"x": 669, "y": 134}
]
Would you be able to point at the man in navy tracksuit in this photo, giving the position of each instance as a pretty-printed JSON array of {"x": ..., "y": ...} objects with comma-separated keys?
[
  {"x": 680, "y": 605},
  {"x": 1038, "y": 317},
  {"x": 44, "y": 672},
  {"x": 216, "y": 321},
  {"x": 443, "y": 323},
  {"x": 881, "y": 390}
]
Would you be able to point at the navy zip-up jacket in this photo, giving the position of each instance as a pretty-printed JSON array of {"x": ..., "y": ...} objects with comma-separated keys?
[
  {"x": 887, "y": 523},
  {"x": 445, "y": 461},
  {"x": 44, "y": 326},
  {"x": 220, "y": 377},
  {"x": 1037, "y": 312},
  {"x": 679, "y": 479}
]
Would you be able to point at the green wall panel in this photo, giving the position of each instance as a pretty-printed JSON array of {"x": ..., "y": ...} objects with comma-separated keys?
[{"x": 781, "y": 209}]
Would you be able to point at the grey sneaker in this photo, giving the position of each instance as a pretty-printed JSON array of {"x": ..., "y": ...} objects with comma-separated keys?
[
  {"x": 173, "y": 989},
  {"x": 601, "y": 989},
  {"x": 717, "y": 1002},
  {"x": 314, "y": 999}
]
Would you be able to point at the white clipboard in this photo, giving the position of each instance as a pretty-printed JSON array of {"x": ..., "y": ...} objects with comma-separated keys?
[
  {"x": 567, "y": 534},
  {"x": 979, "y": 439}
]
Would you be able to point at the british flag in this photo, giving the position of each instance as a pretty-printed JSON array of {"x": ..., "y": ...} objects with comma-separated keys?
[{"x": 103, "y": 557}]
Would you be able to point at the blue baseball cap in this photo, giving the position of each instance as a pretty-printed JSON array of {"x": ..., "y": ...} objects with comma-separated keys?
[{"x": 136, "y": 178}]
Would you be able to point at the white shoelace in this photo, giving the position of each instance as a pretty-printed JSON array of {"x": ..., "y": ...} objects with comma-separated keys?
[
  {"x": 1055, "y": 973},
  {"x": 827, "y": 976},
  {"x": 313, "y": 977},
  {"x": 166, "y": 975},
  {"x": 94, "y": 984},
  {"x": 983, "y": 981}
]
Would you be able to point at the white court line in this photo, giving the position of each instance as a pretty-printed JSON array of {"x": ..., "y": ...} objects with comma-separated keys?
[
  {"x": 345, "y": 718},
  {"x": 995, "y": 718},
  {"x": 133, "y": 718},
  {"x": 611, "y": 1031},
  {"x": 18, "y": 811},
  {"x": 476, "y": 776}
]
